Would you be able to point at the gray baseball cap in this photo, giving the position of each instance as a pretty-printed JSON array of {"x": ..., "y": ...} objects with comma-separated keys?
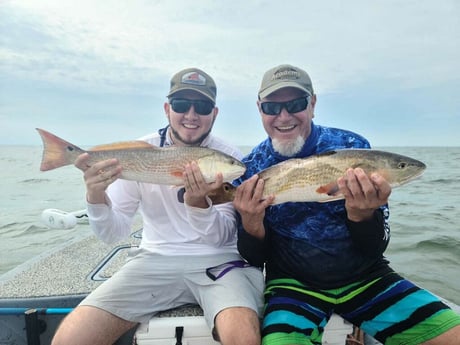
[
  {"x": 196, "y": 80},
  {"x": 283, "y": 76}
]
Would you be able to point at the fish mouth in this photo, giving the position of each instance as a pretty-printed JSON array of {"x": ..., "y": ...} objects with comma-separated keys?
[
  {"x": 234, "y": 176},
  {"x": 410, "y": 178},
  {"x": 238, "y": 170},
  {"x": 418, "y": 175}
]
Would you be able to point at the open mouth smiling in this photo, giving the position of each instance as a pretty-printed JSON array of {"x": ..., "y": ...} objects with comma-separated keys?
[
  {"x": 190, "y": 126},
  {"x": 286, "y": 128}
]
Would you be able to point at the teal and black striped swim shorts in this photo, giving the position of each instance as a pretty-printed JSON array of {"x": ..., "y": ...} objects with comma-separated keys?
[{"x": 390, "y": 308}]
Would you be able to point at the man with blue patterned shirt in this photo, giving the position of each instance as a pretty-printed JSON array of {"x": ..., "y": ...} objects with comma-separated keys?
[{"x": 324, "y": 258}]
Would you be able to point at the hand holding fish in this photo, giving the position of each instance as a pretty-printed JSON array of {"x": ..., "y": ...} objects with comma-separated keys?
[
  {"x": 251, "y": 204},
  {"x": 363, "y": 194},
  {"x": 196, "y": 188},
  {"x": 97, "y": 176}
]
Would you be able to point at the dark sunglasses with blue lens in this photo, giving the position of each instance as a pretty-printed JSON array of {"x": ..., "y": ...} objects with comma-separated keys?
[
  {"x": 294, "y": 106},
  {"x": 181, "y": 105}
]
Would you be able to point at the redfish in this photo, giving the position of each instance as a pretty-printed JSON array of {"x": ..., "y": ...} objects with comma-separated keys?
[
  {"x": 314, "y": 179},
  {"x": 143, "y": 162}
]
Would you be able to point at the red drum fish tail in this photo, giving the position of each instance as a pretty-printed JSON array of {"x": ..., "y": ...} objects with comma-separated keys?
[{"x": 56, "y": 151}]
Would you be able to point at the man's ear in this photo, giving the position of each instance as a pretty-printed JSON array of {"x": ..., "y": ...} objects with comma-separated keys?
[{"x": 167, "y": 108}]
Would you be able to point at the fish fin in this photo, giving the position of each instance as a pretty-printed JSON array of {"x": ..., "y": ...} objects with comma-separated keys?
[
  {"x": 326, "y": 153},
  {"x": 330, "y": 189},
  {"x": 134, "y": 144},
  {"x": 177, "y": 173},
  {"x": 55, "y": 151},
  {"x": 335, "y": 198}
]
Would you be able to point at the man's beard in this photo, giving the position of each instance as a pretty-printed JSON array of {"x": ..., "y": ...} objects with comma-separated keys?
[
  {"x": 290, "y": 148},
  {"x": 196, "y": 142}
]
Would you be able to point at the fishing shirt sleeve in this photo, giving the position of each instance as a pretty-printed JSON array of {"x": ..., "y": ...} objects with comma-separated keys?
[
  {"x": 112, "y": 223},
  {"x": 252, "y": 249},
  {"x": 216, "y": 224},
  {"x": 371, "y": 237}
]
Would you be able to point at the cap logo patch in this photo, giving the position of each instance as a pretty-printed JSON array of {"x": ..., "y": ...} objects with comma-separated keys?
[
  {"x": 286, "y": 74},
  {"x": 193, "y": 78}
]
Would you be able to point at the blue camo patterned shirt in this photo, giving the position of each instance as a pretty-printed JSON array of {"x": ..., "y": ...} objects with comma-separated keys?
[{"x": 312, "y": 239}]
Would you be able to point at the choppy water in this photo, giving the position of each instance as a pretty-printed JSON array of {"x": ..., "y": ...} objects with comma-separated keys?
[{"x": 425, "y": 214}]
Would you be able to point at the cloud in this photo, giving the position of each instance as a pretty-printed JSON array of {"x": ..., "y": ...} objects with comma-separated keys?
[{"x": 91, "y": 53}]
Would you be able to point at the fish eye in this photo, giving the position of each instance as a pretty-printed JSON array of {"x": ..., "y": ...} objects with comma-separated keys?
[
  {"x": 402, "y": 165},
  {"x": 226, "y": 187},
  {"x": 70, "y": 148}
]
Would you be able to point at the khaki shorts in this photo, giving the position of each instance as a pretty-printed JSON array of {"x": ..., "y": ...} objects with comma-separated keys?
[{"x": 149, "y": 283}]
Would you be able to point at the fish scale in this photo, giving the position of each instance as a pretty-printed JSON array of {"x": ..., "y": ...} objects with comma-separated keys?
[
  {"x": 295, "y": 179},
  {"x": 166, "y": 163}
]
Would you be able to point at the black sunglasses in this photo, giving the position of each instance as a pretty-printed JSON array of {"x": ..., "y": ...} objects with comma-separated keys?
[
  {"x": 202, "y": 107},
  {"x": 294, "y": 106}
]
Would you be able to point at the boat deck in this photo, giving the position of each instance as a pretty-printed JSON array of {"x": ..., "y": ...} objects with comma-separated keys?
[{"x": 66, "y": 271}]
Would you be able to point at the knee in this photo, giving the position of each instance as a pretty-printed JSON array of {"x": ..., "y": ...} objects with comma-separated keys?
[{"x": 237, "y": 326}]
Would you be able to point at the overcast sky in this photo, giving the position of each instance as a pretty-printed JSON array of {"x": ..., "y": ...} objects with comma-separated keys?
[{"x": 95, "y": 72}]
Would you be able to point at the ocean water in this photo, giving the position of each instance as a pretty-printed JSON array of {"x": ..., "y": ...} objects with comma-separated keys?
[{"x": 424, "y": 215}]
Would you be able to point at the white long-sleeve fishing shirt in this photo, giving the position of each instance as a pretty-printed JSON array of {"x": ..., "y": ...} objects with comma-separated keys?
[{"x": 169, "y": 227}]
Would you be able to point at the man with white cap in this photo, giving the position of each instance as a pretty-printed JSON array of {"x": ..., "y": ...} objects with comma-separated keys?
[{"x": 322, "y": 258}]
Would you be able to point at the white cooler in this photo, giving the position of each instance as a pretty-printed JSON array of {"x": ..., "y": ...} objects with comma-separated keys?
[
  {"x": 184, "y": 330},
  {"x": 182, "y": 326},
  {"x": 187, "y": 326}
]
